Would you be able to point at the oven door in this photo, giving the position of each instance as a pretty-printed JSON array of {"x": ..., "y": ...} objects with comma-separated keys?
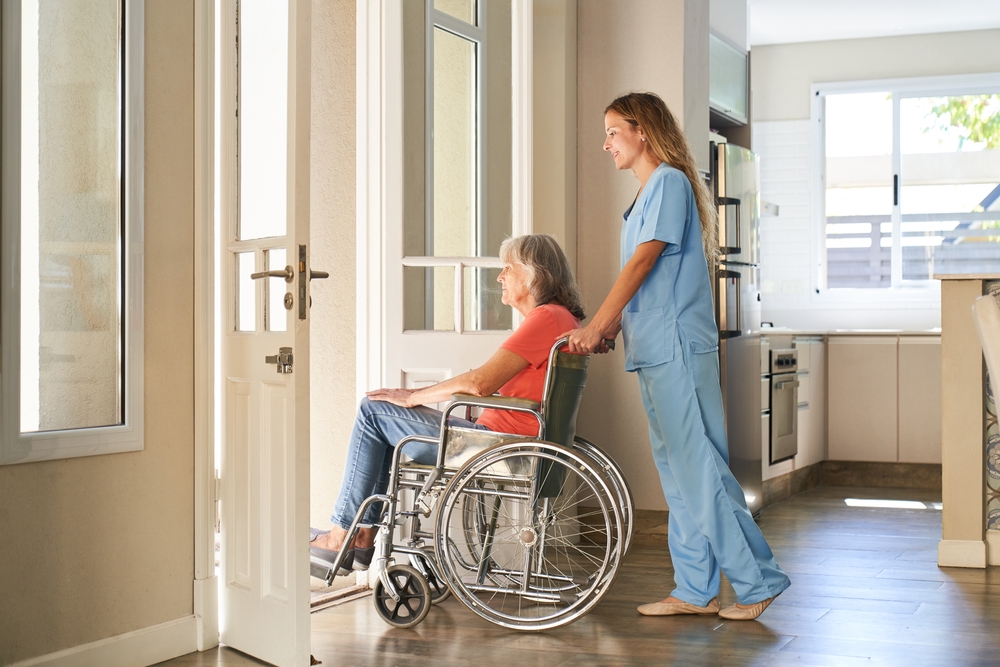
[{"x": 784, "y": 416}]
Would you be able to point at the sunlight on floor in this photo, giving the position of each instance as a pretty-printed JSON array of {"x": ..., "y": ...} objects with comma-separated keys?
[{"x": 891, "y": 504}]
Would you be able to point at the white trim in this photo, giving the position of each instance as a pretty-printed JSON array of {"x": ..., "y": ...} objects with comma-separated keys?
[
  {"x": 993, "y": 546},
  {"x": 962, "y": 553},
  {"x": 206, "y": 585},
  {"x": 522, "y": 122},
  {"x": 919, "y": 86},
  {"x": 23, "y": 448},
  {"x": 206, "y": 613},
  {"x": 373, "y": 86},
  {"x": 915, "y": 293},
  {"x": 138, "y": 648}
]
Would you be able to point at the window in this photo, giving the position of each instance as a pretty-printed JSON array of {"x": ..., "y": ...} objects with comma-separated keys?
[
  {"x": 454, "y": 224},
  {"x": 72, "y": 242},
  {"x": 910, "y": 179}
]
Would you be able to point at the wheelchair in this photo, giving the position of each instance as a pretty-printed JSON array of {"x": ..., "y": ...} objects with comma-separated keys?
[{"x": 527, "y": 532}]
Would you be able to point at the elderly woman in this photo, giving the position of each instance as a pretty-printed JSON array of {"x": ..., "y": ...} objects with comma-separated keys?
[{"x": 537, "y": 282}]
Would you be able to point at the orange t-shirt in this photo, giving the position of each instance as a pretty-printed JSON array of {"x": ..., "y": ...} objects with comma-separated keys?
[{"x": 532, "y": 342}]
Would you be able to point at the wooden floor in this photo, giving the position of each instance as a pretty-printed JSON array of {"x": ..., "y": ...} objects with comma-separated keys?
[{"x": 865, "y": 591}]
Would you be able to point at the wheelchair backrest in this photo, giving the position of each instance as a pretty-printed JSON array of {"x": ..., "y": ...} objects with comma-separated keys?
[{"x": 564, "y": 382}]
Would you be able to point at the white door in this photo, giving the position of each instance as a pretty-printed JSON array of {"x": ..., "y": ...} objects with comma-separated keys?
[
  {"x": 455, "y": 150},
  {"x": 264, "y": 197}
]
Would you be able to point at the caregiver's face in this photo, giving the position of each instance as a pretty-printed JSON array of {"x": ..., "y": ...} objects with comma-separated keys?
[{"x": 623, "y": 141}]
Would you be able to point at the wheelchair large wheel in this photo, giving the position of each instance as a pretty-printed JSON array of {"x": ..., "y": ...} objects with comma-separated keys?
[
  {"x": 617, "y": 480},
  {"x": 546, "y": 538}
]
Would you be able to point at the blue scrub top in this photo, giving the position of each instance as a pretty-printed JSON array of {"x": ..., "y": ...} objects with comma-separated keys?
[{"x": 673, "y": 306}]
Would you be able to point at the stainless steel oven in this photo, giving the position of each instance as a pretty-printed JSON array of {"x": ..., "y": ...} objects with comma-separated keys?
[{"x": 784, "y": 405}]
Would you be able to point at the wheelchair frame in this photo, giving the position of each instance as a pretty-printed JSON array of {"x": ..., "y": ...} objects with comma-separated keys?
[{"x": 563, "y": 574}]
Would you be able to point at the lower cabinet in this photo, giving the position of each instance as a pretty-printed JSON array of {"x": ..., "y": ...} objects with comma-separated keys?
[{"x": 884, "y": 398}]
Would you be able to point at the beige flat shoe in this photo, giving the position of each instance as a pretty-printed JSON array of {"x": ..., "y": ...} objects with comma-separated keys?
[
  {"x": 678, "y": 608},
  {"x": 736, "y": 613}
]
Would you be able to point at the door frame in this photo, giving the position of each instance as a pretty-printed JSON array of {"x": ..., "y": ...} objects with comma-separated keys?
[
  {"x": 379, "y": 178},
  {"x": 206, "y": 488}
]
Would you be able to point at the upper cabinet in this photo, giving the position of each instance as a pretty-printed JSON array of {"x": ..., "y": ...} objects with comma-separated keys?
[{"x": 728, "y": 82}]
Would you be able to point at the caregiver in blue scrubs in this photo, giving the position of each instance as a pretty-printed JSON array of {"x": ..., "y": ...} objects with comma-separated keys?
[{"x": 662, "y": 303}]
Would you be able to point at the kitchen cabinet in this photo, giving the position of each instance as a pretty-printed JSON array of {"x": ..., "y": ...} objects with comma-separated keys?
[
  {"x": 812, "y": 401},
  {"x": 920, "y": 399},
  {"x": 862, "y": 398},
  {"x": 884, "y": 400},
  {"x": 728, "y": 82}
]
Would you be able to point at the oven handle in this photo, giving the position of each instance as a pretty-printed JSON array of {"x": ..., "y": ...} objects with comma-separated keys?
[{"x": 786, "y": 384}]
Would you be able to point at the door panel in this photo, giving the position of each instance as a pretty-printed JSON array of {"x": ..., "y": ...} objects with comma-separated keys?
[{"x": 264, "y": 200}]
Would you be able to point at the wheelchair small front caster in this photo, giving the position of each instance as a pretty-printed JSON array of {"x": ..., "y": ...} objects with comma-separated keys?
[{"x": 414, "y": 597}]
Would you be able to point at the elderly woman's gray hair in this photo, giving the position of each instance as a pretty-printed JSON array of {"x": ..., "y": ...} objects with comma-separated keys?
[{"x": 550, "y": 278}]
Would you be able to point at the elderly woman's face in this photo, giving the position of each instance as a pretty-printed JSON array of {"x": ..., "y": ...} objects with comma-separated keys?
[
  {"x": 623, "y": 141},
  {"x": 514, "y": 284}
]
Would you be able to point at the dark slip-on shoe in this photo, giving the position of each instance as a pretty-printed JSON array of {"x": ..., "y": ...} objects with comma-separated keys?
[{"x": 363, "y": 557}]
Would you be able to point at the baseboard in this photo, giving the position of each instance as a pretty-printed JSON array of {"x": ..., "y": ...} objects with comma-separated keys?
[
  {"x": 791, "y": 483},
  {"x": 206, "y": 610},
  {"x": 881, "y": 475},
  {"x": 993, "y": 546},
  {"x": 962, "y": 553},
  {"x": 138, "y": 648}
]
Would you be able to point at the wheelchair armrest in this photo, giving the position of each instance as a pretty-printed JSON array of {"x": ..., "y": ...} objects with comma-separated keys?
[{"x": 497, "y": 402}]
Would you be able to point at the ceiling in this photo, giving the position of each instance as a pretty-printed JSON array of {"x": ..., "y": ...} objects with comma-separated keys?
[{"x": 787, "y": 21}]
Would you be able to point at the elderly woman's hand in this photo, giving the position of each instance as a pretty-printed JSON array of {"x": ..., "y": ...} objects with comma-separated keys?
[{"x": 401, "y": 397}]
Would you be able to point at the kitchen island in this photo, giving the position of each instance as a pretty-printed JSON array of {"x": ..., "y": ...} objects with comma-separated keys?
[{"x": 970, "y": 488}]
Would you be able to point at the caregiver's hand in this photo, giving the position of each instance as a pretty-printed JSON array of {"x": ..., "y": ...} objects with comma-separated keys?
[{"x": 586, "y": 340}]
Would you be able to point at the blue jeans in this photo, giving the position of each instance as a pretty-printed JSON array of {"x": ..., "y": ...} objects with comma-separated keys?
[{"x": 378, "y": 428}]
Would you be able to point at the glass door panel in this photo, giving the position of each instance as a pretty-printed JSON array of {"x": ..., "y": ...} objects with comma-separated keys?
[
  {"x": 246, "y": 293},
  {"x": 263, "y": 112},
  {"x": 453, "y": 230},
  {"x": 429, "y": 298},
  {"x": 275, "y": 314},
  {"x": 484, "y": 311},
  {"x": 463, "y": 10}
]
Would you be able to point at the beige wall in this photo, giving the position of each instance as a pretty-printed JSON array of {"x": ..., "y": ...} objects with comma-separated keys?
[
  {"x": 332, "y": 201},
  {"x": 782, "y": 73},
  {"x": 96, "y": 547},
  {"x": 554, "y": 122},
  {"x": 616, "y": 55}
]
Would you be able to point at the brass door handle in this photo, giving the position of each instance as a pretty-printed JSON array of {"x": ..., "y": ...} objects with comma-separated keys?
[
  {"x": 318, "y": 275},
  {"x": 288, "y": 274}
]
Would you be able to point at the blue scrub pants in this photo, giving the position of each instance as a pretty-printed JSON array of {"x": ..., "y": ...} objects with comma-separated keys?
[{"x": 710, "y": 526}]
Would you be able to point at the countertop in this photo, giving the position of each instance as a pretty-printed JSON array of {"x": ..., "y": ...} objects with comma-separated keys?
[
  {"x": 967, "y": 276},
  {"x": 781, "y": 331}
]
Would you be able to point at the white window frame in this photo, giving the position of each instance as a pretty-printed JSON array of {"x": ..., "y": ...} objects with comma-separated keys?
[
  {"x": 436, "y": 19},
  {"x": 17, "y": 447},
  {"x": 915, "y": 293},
  {"x": 379, "y": 74}
]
